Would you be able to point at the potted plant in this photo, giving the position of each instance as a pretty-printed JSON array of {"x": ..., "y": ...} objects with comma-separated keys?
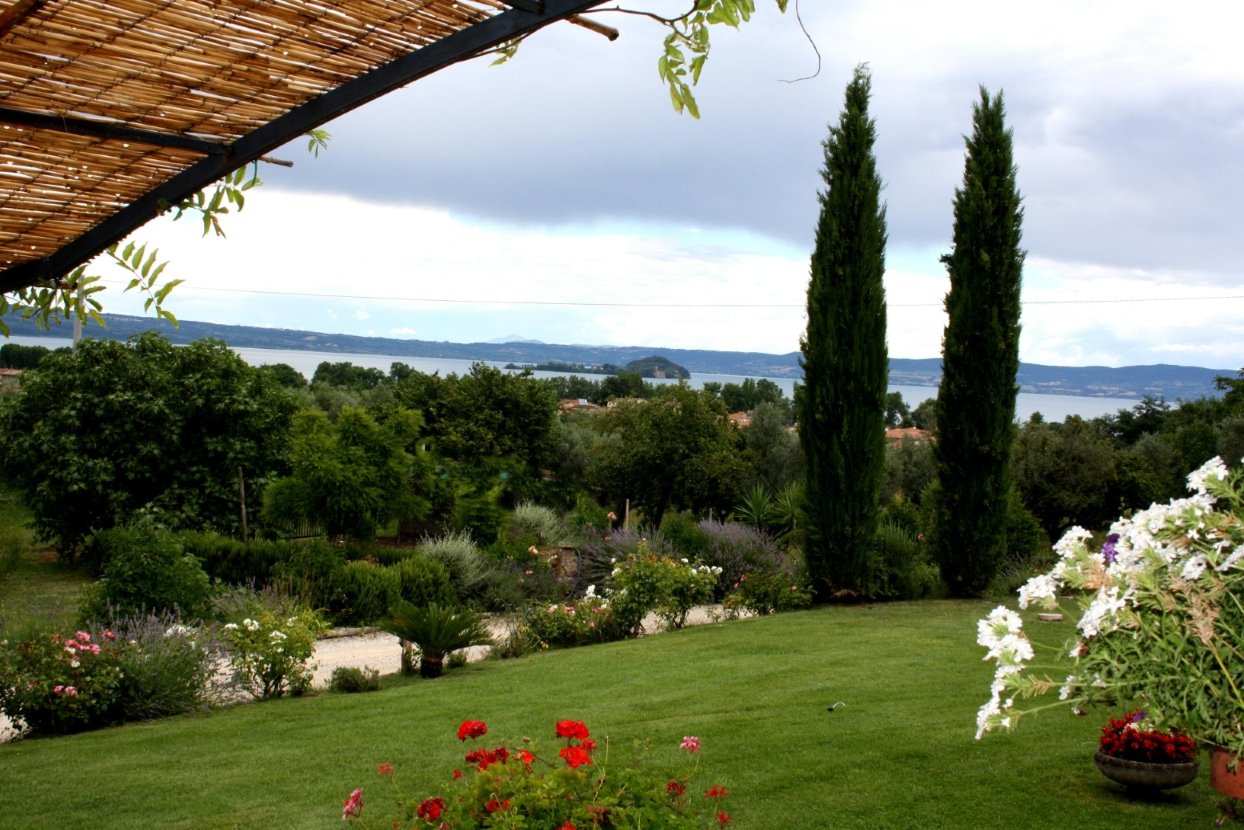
[
  {"x": 1138, "y": 756},
  {"x": 1161, "y": 624}
]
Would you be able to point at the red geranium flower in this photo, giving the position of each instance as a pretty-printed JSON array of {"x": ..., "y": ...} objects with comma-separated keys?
[
  {"x": 572, "y": 729},
  {"x": 385, "y": 769},
  {"x": 471, "y": 729},
  {"x": 526, "y": 756},
  {"x": 716, "y": 791},
  {"x": 494, "y": 805},
  {"x": 676, "y": 788},
  {"x": 723, "y": 818},
  {"x": 430, "y": 809},
  {"x": 575, "y": 756}
]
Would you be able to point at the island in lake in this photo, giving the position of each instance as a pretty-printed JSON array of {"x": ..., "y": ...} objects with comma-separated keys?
[{"x": 646, "y": 367}]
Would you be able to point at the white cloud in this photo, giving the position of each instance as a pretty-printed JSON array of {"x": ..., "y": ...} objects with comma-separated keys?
[{"x": 598, "y": 216}]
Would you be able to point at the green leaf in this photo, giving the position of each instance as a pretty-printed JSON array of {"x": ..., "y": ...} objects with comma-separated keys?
[{"x": 697, "y": 64}]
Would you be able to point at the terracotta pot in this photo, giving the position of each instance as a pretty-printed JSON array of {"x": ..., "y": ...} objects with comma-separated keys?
[
  {"x": 1144, "y": 775},
  {"x": 1230, "y": 784}
]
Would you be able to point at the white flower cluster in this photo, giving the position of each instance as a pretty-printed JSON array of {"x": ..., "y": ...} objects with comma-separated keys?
[{"x": 1174, "y": 539}]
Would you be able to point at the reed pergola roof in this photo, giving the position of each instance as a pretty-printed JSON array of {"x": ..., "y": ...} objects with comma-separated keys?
[{"x": 112, "y": 110}]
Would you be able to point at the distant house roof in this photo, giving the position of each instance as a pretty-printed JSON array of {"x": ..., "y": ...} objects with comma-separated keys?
[
  {"x": 897, "y": 436},
  {"x": 741, "y": 420},
  {"x": 577, "y": 405}
]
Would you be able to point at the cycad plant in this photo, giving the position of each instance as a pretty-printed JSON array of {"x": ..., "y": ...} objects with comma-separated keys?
[{"x": 437, "y": 631}]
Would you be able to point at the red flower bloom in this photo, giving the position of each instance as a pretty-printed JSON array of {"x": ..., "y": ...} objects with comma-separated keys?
[
  {"x": 589, "y": 744},
  {"x": 716, "y": 791},
  {"x": 676, "y": 789},
  {"x": 471, "y": 729},
  {"x": 575, "y": 756},
  {"x": 353, "y": 804},
  {"x": 430, "y": 809},
  {"x": 385, "y": 769},
  {"x": 457, "y": 774},
  {"x": 566, "y": 825},
  {"x": 723, "y": 818},
  {"x": 526, "y": 756},
  {"x": 494, "y": 805},
  {"x": 572, "y": 729}
]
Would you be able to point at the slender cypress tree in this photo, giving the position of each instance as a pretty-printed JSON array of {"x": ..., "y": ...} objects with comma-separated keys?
[
  {"x": 841, "y": 403},
  {"x": 980, "y": 356}
]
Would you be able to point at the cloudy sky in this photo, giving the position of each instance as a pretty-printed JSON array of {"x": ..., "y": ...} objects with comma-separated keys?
[{"x": 560, "y": 198}]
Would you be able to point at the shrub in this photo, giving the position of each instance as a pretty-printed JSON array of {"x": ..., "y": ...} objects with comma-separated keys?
[
  {"x": 56, "y": 684},
  {"x": 513, "y": 584},
  {"x": 598, "y": 557},
  {"x": 145, "y": 570},
  {"x": 539, "y": 524},
  {"x": 350, "y": 680},
  {"x": 423, "y": 581},
  {"x": 739, "y": 550},
  {"x": 904, "y": 568},
  {"x": 313, "y": 574},
  {"x": 561, "y": 625},
  {"x": 767, "y": 592},
  {"x": 649, "y": 582},
  {"x": 270, "y": 646},
  {"x": 437, "y": 630},
  {"x": 169, "y": 669},
  {"x": 684, "y": 535},
  {"x": 467, "y": 565},
  {"x": 367, "y": 592}
]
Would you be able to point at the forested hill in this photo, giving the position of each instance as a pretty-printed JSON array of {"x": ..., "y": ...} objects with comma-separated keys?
[{"x": 1170, "y": 382}]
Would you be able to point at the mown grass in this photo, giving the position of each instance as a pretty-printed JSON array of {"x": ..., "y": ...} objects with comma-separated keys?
[
  {"x": 899, "y": 754},
  {"x": 36, "y": 590}
]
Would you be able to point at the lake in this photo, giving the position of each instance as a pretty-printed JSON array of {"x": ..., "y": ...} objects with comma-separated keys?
[{"x": 1052, "y": 407}]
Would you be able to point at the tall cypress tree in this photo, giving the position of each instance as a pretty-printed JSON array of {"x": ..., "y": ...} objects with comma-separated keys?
[
  {"x": 841, "y": 404},
  {"x": 980, "y": 356}
]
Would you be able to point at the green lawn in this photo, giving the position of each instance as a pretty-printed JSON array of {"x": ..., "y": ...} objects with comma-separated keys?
[
  {"x": 35, "y": 589},
  {"x": 899, "y": 754}
]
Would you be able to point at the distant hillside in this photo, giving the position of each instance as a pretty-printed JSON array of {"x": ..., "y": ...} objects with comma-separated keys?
[{"x": 1170, "y": 382}]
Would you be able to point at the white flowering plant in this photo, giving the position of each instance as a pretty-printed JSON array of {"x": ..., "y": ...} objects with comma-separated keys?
[
  {"x": 1161, "y": 621},
  {"x": 268, "y": 654}
]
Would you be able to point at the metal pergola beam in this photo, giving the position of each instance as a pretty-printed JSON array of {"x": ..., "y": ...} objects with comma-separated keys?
[{"x": 351, "y": 95}]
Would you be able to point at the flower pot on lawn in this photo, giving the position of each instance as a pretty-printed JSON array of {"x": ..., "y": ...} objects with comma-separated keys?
[
  {"x": 1146, "y": 775},
  {"x": 1228, "y": 782}
]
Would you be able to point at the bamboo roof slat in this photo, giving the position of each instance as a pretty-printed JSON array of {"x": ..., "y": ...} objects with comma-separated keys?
[{"x": 245, "y": 75}]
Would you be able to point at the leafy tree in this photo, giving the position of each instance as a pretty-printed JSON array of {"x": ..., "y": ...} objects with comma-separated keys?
[
  {"x": 1065, "y": 475},
  {"x": 896, "y": 412},
  {"x": 772, "y": 450},
  {"x": 845, "y": 364},
  {"x": 677, "y": 452},
  {"x": 348, "y": 375},
  {"x": 924, "y": 416},
  {"x": 626, "y": 385},
  {"x": 108, "y": 429},
  {"x": 17, "y": 356},
  {"x": 909, "y": 469},
  {"x": 980, "y": 356},
  {"x": 751, "y": 393},
  {"x": 352, "y": 475},
  {"x": 576, "y": 387},
  {"x": 285, "y": 375},
  {"x": 1128, "y": 425}
]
